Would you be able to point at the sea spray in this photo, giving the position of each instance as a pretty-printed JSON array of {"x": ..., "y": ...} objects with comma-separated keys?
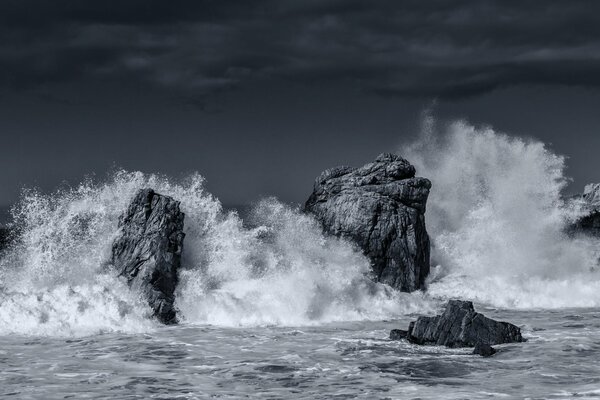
[
  {"x": 284, "y": 271},
  {"x": 55, "y": 279},
  {"x": 495, "y": 214},
  {"x": 496, "y": 217}
]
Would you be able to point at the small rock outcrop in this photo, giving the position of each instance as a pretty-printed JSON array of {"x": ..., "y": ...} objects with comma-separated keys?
[
  {"x": 484, "y": 350},
  {"x": 398, "y": 334},
  {"x": 381, "y": 207},
  {"x": 461, "y": 326},
  {"x": 148, "y": 250}
]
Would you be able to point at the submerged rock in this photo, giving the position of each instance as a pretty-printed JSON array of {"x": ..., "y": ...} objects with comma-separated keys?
[
  {"x": 484, "y": 350},
  {"x": 148, "y": 249},
  {"x": 398, "y": 334},
  {"x": 381, "y": 207},
  {"x": 461, "y": 326}
]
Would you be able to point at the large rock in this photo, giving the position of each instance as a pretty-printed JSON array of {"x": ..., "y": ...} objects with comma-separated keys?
[
  {"x": 461, "y": 326},
  {"x": 148, "y": 250},
  {"x": 381, "y": 207}
]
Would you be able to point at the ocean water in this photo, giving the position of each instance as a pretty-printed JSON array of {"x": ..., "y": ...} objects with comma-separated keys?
[
  {"x": 270, "y": 307},
  {"x": 334, "y": 360}
]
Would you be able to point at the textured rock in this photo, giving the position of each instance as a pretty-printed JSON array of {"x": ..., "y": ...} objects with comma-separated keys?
[
  {"x": 381, "y": 207},
  {"x": 461, "y": 326},
  {"x": 148, "y": 249},
  {"x": 484, "y": 350}
]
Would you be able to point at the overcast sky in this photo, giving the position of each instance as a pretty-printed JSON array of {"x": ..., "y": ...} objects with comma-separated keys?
[{"x": 260, "y": 96}]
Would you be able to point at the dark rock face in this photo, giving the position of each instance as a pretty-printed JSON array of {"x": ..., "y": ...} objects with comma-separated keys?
[
  {"x": 484, "y": 350},
  {"x": 461, "y": 326},
  {"x": 148, "y": 249},
  {"x": 381, "y": 207}
]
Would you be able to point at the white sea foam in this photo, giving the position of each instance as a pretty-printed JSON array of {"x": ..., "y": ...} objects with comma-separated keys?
[
  {"x": 496, "y": 217},
  {"x": 284, "y": 271}
]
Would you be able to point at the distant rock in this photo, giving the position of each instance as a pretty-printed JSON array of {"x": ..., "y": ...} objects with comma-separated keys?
[
  {"x": 461, "y": 326},
  {"x": 484, "y": 350},
  {"x": 148, "y": 250},
  {"x": 381, "y": 207}
]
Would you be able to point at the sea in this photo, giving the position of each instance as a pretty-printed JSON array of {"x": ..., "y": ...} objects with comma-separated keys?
[{"x": 271, "y": 307}]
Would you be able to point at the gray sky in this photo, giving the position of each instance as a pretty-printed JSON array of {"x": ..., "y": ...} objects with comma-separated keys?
[{"x": 259, "y": 97}]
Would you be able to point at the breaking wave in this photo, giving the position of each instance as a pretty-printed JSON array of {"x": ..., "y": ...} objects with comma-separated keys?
[
  {"x": 275, "y": 268},
  {"x": 496, "y": 216}
]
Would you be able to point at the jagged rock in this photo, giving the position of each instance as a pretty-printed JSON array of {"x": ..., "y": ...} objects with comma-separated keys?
[
  {"x": 484, "y": 350},
  {"x": 148, "y": 249},
  {"x": 398, "y": 334},
  {"x": 591, "y": 194},
  {"x": 589, "y": 222},
  {"x": 461, "y": 326},
  {"x": 381, "y": 207}
]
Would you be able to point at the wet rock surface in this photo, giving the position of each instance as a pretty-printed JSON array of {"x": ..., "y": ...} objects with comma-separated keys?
[
  {"x": 148, "y": 250},
  {"x": 381, "y": 207}
]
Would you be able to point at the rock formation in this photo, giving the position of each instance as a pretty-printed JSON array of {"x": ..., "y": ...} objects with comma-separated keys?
[
  {"x": 461, "y": 326},
  {"x": 381, "y": 207},
  {"x": 148, "y": 249}
]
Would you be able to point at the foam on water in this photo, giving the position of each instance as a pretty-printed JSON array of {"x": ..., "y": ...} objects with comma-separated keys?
[
  {"x": 283, "y": 272},
  {"x": 496, "y": 217}
]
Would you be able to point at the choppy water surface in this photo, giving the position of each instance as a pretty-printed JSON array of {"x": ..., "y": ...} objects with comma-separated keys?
[{"x": 338, "y": 360}]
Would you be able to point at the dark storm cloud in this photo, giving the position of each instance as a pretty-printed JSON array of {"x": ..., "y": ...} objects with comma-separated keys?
[{"x": 195, "y": 48}]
